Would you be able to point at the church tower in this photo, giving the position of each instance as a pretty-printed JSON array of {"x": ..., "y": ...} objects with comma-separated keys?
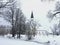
[{"x": 32, "y": 17}]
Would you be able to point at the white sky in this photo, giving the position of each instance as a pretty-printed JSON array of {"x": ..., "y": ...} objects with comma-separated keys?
[{"x": 39, "y": 9}]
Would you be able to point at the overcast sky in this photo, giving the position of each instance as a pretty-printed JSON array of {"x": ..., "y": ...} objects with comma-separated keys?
[{"x": 39, "y": 9}]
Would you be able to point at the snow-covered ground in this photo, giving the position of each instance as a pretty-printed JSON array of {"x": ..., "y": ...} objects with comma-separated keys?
[
  {"x": 7, "y": 41},
  {"x": 38, "y": 40}
]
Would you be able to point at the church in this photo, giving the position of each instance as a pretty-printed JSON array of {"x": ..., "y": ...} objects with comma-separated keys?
[{"x": 39, "y": 30}]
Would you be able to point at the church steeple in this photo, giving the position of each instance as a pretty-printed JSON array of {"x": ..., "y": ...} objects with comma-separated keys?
[{"x": 32, "y": 15}]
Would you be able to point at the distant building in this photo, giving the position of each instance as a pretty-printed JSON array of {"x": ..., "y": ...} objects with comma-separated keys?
[
  {"x": 43, "y": 31},
  {"x": 39, "y": 29}
]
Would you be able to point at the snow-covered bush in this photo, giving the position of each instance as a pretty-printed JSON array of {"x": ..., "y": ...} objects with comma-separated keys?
[{"x": 29, "y": 35}]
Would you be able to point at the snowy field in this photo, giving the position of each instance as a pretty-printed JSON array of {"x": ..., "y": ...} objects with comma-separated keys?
[
  {"x": 8, "y": 41},
  {"x": 38, "y": 40},
  {"x": 4, "y": 41}
]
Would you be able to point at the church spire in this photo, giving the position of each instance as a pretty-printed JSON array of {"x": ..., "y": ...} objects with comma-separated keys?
[{"x": 32, "y": 15}]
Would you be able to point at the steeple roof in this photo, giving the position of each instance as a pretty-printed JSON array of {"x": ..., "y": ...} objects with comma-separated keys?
[{"x": 32, "y": 15}]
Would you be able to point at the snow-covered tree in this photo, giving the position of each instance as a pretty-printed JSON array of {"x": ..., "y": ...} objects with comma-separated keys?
[
  {"x": 55, "y": 19},
  {"x": 20, "y": 23},
  {"x": 14, "y": 15},
  {"x": 31, "y": 28}
]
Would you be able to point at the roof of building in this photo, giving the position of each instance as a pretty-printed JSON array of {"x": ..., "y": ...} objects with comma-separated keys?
[{"x": 44, "y": 29}]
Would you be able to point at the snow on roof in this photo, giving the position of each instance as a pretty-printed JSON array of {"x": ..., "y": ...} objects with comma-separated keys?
[{"x": 44, "y": 29}]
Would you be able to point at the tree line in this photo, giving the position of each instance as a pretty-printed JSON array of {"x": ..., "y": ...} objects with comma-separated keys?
[{"x": 11, "y": 13}]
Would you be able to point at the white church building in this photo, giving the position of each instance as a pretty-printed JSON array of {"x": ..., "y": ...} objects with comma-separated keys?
[{"x": 39, "y": 29}]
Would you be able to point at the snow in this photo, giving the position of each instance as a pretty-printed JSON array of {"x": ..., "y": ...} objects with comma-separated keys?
[
  {"x": 44, "y": 28},
  {"x": 6, "y": 41},
  {"x": 53, "y": 39},
  {"x": 37, "y": 40}
]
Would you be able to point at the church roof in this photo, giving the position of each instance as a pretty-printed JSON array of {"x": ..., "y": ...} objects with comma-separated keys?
[{"x": 32, "y": 15}]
